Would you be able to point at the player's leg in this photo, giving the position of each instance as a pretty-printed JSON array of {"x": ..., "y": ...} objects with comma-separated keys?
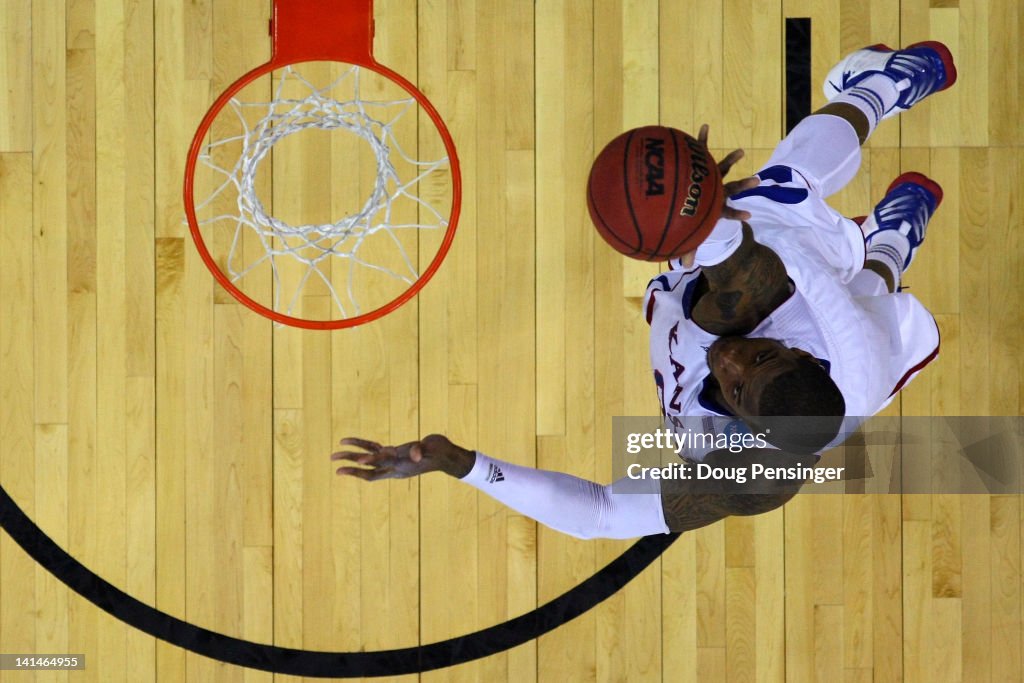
[
  {"x": 822, "y": 153},
  {"x": 875, "y": 279},
  {"x": 818, "y": 157},
  {"x": 824, "y": 150},
  {"x": 870, "y": 85},
  {"x": 896, "y": 227},
  {"x": 880, "y": 269},
  {"x": 865, "y": 87},
  {"x": 857, "y": 119}
]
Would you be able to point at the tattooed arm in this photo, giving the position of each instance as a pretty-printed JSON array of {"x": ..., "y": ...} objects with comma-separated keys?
[
  {"x": 737, "y": 294},
  {"x": 689, "y": 504}
]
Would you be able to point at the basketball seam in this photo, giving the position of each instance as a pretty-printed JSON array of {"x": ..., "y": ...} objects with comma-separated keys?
[
  {"x": 716, "y": 201},
  {"x": 656, "y": 252},
  {"x": 629, "y": 201},
  {"x": 607, "y": 226}
]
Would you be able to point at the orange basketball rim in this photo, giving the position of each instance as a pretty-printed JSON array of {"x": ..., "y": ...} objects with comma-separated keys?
[{"x": 389, "y": 169}]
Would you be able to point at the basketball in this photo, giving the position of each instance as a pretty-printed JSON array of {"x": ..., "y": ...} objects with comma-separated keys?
[{"x": 654, "y": 193}]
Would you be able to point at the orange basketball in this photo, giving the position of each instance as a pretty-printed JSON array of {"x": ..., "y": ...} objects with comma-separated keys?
[{"x": 654, "y": 193}]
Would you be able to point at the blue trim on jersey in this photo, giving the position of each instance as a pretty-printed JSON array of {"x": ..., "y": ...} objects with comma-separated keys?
[
  {"x": 780, "y": 174},
  {"x": 662, "y": 280},
  {"x": 781, "y": 195}
]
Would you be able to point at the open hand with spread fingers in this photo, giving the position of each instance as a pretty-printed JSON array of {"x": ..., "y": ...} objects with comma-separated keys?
[
  {"x": 731, "y": 188},
  {"x": 434, "y": 453},
  {"x": 735, "y": 186}
]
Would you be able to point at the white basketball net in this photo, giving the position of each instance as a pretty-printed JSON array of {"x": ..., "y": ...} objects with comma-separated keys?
[{"x": 316, "y": 245}]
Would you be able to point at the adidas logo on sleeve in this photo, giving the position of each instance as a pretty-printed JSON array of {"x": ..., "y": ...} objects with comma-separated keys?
[{"x": 494, "y": 474}]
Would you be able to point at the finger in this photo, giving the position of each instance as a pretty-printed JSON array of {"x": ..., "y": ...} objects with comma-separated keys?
[
  {"x": 366, "y": 474},
  {"x": 366, "y": 463},
  {"x": 736, "y": 214},
  {"x": 357, "y": 472},
  {"x": 688, "y": 258},
  {"x": 354, "y": 456},
  {"x": 416, "y": 452},
  {"x": 726, "y": 164},
  {"x": 381, "y": 473},
  {"x": 737, "y": 186},
  {"x": 361, "y": 443},
  {"x": 702, "y": 136},
  {"x": 345, "y": 455}
]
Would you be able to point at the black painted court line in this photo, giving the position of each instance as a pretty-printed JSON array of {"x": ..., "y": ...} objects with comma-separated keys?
[
  {"x": 571, "y": 604},
  {"x": 798, "y": 71}
]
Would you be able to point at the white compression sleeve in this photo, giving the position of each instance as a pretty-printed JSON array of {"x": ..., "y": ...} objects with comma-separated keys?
[
  {"x": 723, "y": 241},
  {"x": 566, "y": 503}
]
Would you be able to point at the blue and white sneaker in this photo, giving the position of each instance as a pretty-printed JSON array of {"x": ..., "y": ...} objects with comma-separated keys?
[
  {"x": 908, "y": 205},
  {"x": 919, "y": 70}
]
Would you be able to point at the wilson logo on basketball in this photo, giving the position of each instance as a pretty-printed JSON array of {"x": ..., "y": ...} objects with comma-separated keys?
[
  {"x": 698, "y": 172},
  {"x": 654, "y": 160}
]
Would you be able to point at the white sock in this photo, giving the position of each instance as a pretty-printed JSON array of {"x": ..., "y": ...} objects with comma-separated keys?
[
  {"x": 891, "y": 248},
  {"x": 876, "y": 95}
]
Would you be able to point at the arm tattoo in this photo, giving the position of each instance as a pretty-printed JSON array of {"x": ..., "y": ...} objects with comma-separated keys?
[
  {"x": 687, "y": 507},
  {"x": 743, "y": 289},
  {"x": 727, "y": 302},
  {"x": 686, "y": 512}
]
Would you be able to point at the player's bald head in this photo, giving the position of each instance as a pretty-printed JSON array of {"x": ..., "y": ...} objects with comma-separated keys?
[{"x": 803, "y": 407}]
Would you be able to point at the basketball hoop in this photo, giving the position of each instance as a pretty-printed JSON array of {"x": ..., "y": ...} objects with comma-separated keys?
[{"x": 394, "y": 187}]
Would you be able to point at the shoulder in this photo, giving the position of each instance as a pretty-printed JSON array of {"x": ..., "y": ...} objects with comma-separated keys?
[
  {"x": 667, "y": 291},
  {"x": 690, "y": 504}
]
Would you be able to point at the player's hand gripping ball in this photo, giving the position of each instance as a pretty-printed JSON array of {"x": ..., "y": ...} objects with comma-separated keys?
[{"x": 655, "y": 193}]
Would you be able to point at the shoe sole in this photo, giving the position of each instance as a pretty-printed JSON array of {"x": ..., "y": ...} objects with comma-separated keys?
[{"x": 919, "y": 179}]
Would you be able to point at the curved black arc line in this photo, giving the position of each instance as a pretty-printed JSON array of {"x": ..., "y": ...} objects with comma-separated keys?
[{"x": 571, "y": 604}]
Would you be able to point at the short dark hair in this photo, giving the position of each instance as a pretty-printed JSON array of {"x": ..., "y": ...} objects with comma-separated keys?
[{"x": 806, "y": 392}]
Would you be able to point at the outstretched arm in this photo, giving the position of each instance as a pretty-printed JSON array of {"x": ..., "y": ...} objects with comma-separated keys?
[
  {"x": 565, "y": 503},
  {"x": 574, "y": 506}
]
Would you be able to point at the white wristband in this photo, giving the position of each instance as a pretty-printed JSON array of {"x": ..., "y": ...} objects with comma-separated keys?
[
  {"x": 722, "y": 243},
  {"x": 566, "y": 503}
]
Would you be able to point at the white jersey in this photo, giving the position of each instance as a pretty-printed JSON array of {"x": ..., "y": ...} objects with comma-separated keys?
[{"x": 870, "y": 341}]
